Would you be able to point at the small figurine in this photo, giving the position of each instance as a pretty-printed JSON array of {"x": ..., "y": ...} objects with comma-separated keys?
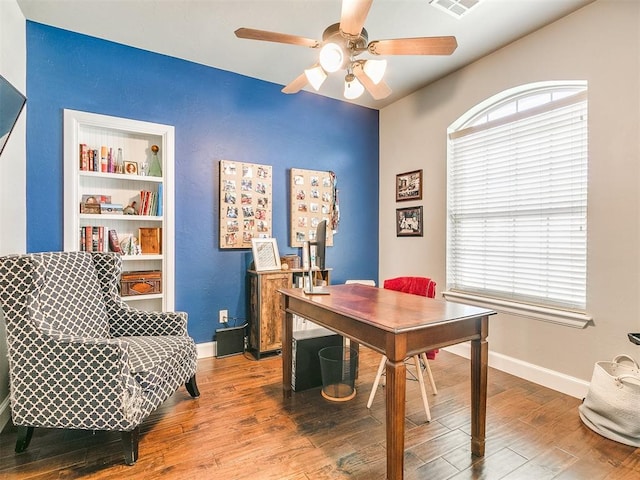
[{"x": 130, "y": 209}]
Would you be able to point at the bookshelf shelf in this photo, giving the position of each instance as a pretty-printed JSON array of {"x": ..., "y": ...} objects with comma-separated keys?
[
  {"x": 135, "y": 138},
  {"x": 120, "y": 218},
  {"x": 120, "y": 176},
  {"x": 144, "y": 257},
  {"x": 133, "y": 298}
]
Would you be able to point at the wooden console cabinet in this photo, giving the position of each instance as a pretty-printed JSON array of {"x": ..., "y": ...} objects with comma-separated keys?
[{"x": 265, "y": 315}]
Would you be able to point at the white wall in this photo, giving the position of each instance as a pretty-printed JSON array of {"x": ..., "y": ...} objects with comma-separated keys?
[
  {"x": 599, "y": 43},
  {"x": 13, "y": 217}
]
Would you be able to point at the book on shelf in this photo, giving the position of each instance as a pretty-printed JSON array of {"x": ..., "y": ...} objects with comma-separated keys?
[
  {"x": 160, "y": 193},
  {"x": 84, "y": 156},
  {"x": 114, "y": 243},
  {"x": 96, "y": 238}
]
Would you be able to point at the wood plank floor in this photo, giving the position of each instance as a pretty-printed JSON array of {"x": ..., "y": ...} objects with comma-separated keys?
[{"x": 240, "y": 428}]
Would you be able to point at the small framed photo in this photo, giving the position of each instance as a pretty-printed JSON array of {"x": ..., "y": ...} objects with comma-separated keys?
[
  {"x": 409, "y": 186},
  {"x": 131, "y": 168},
  {"x": 265, "y": 254},
  {"x": 409, "y": 222}
]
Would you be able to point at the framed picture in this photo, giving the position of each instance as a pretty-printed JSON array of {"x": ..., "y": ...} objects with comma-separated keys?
[
  {"x": 150, "y": 240},
  {"x": 409, "y": 186},
  {"x": 265, "y": 254},
  {"x": 131, "y": 168},
  {"x": 312, "y": 200},
  {"x": 245, "y": 203},
  {"x": 409, "y": 222}
]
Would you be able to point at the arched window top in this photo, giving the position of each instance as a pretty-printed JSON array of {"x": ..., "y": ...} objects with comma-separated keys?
[{"x": 517, "y": 100}]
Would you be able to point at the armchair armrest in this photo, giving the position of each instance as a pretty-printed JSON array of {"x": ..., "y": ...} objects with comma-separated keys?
[
  {"x": 129, "y": 322},
  {"x": 84, "y": 377}
]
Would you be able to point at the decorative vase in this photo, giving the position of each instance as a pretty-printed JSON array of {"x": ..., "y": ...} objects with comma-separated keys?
[{"x": 155, "y": 170}]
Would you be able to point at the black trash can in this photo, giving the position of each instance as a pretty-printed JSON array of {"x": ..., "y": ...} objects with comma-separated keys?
[{"x": 338, "y": 367}]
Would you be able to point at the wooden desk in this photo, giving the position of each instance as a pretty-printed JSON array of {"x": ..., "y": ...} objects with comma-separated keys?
[{"x": 398, "y": 325}]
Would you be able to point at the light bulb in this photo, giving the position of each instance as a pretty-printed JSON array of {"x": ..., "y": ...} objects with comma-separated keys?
[
  {"x": 352, "y": 87},
  {"x": 315, "y": 76},
  {"x": 375, "y": 70},
  {"x": 331, "y": 57}
]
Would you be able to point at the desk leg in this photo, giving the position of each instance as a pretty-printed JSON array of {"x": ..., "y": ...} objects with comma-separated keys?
[
  {"x": 479, "y": 363},
  {"x": 395, "y": 398},
  {"x": 287, "y": 337}
]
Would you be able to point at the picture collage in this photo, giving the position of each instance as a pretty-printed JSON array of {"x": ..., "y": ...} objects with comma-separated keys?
[
  {"x": 311, "y": 202},
  {"x": 245, "y": 203}
]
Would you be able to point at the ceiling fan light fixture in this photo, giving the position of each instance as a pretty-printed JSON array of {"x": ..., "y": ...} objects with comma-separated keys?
[
  {"x": 375, "y": 70},
  {"x": 352, "y": 87},
  {"x": 316, "y": 76},
  {"x": 331, "y": 57}
]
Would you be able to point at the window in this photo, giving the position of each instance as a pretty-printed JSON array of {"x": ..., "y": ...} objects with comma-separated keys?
[{"x": 517, "y": 203}]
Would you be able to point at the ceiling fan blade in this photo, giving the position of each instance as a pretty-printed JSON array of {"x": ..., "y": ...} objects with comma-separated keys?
[
  {"x": 296, "y": 85},
  {"x": 414, "y": 46},
  {"x": 265, "y": 35},
  {"x": 378, "y": 91},
  {"x": 354, "y": 14}
]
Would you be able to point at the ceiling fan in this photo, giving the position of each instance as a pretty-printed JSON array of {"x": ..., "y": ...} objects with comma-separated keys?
[{"x": 342, "y": 43}]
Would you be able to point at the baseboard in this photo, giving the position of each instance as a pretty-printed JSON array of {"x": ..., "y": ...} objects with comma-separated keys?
[
  {"x": 542, "y": 376},
  {"x": 206, "y": 350}
]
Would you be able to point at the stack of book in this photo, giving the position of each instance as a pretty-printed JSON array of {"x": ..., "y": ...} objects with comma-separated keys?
[
  {"x": 151, "y": 202},
  {"x": 97, "y": 238}
]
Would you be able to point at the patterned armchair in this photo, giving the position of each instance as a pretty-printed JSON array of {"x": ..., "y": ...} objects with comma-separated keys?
[{"x": 79, "y": 357}]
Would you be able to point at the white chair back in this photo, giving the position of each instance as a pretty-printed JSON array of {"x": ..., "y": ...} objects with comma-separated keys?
[{"x": 371, "y": 283}]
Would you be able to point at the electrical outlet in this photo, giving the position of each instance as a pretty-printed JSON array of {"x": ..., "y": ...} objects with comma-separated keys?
[{"x": 223, "y": 316}]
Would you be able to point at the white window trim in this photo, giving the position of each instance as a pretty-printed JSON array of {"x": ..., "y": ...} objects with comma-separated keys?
[{"x": 553, "y": 315}]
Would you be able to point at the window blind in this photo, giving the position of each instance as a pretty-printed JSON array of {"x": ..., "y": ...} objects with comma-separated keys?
[{"x": 517, "y": 206}]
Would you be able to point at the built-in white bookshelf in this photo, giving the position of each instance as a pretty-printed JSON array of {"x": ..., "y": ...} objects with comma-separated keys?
[{"x": 135, "y": 138}]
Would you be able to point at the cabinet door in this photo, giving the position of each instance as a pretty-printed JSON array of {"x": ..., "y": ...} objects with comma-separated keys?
[{"x": 270, "y": 312}]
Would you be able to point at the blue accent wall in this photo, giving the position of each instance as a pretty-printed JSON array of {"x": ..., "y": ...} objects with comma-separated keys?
[{"x": 217, "y": 115}]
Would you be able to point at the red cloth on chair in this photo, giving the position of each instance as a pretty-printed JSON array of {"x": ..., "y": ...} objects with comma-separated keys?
[{"x": 417, "y": 286}]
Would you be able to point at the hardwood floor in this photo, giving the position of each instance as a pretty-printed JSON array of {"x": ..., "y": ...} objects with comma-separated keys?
[{"x": 241, "y": 428}]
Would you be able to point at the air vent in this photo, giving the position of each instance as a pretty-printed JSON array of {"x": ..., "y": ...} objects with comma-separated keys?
[{"x": 456, "y": 8}]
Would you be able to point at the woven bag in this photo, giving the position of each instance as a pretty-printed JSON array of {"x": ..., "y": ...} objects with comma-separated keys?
[{"x": 612, "y": 405}]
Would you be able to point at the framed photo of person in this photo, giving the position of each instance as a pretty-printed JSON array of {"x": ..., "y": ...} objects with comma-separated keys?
[
  {"x": 409, "y": 222},
  {"x": 131, "y": 168}
]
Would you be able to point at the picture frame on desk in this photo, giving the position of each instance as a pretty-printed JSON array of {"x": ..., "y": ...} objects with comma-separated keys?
[{"x": 265, "y": 254}]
